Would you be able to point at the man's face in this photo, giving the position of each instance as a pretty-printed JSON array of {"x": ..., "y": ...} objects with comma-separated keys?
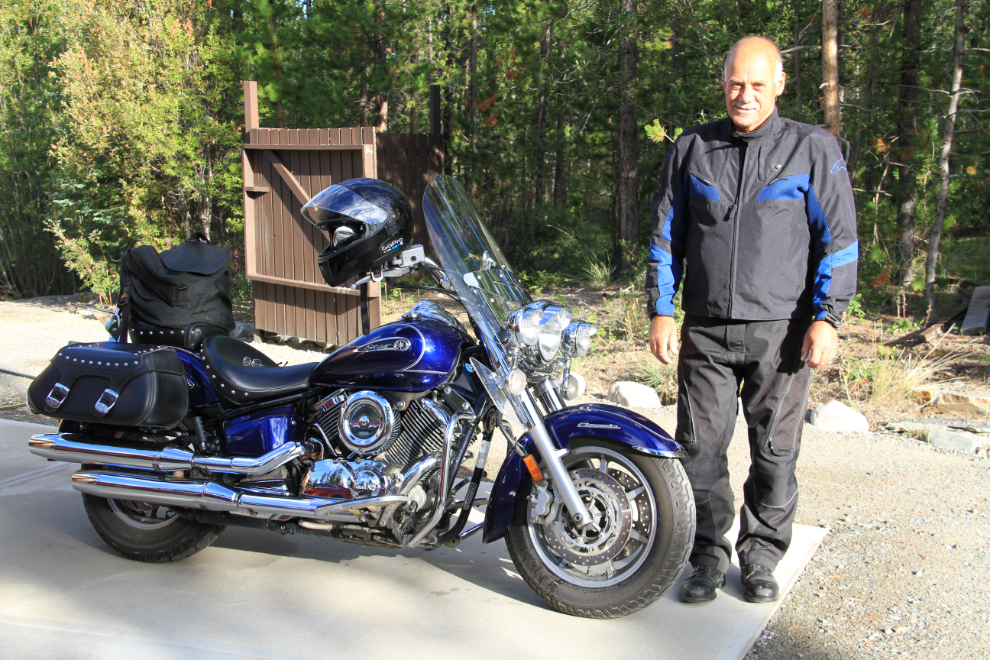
[{"x": 752, "y": 85}]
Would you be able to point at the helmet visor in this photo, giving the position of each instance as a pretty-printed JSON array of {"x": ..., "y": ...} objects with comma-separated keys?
[{"x": 340, "y": 203}]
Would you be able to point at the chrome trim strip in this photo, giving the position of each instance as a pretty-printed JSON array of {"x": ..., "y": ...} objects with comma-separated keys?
[{"x": 660, "y": 453}]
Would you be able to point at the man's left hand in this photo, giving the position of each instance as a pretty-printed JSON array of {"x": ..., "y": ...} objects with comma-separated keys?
[{"x": 821, "y": 344}]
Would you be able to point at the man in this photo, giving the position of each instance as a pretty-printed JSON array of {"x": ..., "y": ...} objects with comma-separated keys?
[{"x": 760, "y": 211}]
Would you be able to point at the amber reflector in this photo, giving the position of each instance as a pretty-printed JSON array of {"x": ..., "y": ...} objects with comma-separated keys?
[{"x": 534, "y": 470}]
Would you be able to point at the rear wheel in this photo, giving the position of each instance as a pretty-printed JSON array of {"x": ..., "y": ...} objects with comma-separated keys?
[
  {"x": 147, "y": 532},
  {"x": 644, "y": 520}
]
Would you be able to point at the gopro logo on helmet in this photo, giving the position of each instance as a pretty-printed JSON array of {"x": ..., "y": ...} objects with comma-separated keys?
[{"x": 394, "y": 245}]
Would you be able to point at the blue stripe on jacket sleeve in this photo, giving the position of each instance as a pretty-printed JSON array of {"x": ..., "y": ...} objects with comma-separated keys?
[
  {"x": 668, "y": 279},
  {"x": 823, "y": 276},
  {"x": 818, "y": 223}
]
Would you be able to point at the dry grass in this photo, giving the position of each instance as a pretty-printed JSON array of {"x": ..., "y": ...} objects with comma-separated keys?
[
  {"x": 887, "y": 381},
  {"x": 661, "y": 378}
]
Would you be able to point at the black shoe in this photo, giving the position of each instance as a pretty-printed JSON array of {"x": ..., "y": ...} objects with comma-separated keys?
[
  {"x": 760, "y": 585},
  {"x": 700, "y": 586}
]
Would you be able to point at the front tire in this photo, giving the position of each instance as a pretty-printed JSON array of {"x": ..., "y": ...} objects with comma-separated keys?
[
  {"x": 147, "y": 532},
  {"x": 644, "y": 510}
]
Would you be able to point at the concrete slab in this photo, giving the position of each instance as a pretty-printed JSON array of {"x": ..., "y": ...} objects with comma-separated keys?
[
  {"x": 16, "y": 462},
  {"x": 65, "y": 594}
]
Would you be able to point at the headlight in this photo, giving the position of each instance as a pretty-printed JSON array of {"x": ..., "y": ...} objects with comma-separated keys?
[
  {"x": 577, "y": 338},
  {"x": 555, "y": 319},
  {"x": 524, "y": 323}
]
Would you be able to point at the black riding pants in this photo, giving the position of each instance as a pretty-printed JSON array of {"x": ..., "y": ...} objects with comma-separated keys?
[{"x": 764, "y": 357}]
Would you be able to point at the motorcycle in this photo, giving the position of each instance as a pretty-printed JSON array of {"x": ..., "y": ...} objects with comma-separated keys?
[{"x": 371, "y": 445}]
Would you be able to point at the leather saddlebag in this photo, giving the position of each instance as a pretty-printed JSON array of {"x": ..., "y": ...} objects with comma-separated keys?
[{"x": 113, "y": 384}]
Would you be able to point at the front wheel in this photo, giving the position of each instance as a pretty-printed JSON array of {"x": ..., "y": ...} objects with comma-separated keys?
[
  {"x": 643, "y": 527},
  {"x": 147, "y": 532}
]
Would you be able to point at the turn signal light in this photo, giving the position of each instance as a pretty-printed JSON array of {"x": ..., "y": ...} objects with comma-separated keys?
[{"x": 534, "y": 470}]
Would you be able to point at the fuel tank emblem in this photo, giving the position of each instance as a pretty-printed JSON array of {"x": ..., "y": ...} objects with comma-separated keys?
[{"x": 393, "y": 344}]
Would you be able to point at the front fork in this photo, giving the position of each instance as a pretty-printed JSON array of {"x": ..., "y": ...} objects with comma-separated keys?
[{"x": 526, "y": 411}]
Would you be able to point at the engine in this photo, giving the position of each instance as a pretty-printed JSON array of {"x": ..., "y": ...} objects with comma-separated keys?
[{"x": 376, "y": 443}]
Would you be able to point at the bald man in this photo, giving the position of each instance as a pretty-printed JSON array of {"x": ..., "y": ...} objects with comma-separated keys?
[{"x": 755, "y": 214}]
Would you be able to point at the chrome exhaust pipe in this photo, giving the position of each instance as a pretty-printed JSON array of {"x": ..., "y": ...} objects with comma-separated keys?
[
  {"x": 209, "y": 496},
  {"x": 78, "y": 448}
]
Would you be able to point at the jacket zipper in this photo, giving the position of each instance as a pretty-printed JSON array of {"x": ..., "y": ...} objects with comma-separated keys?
[{"x": 735, "y": 226}]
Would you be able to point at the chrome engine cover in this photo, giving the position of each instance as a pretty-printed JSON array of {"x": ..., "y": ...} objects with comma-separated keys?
[
  {"x": 346, "y": 479},
  {"x": 368, "y": 425}
]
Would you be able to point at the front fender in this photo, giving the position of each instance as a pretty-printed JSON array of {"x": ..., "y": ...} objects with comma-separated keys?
[{"x": 599, "y": 420}]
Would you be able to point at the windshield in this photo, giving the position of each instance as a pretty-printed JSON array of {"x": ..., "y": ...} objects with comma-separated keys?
[{"x": 477, "y": 269}]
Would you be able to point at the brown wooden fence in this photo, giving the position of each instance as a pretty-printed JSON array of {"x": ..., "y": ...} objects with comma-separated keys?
[{"x": 283, "y": 169}]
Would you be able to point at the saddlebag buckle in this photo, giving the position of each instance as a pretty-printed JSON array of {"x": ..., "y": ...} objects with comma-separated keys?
[
  {"x": 57, "y": 396},
  {"x": 105, "y": 403}
]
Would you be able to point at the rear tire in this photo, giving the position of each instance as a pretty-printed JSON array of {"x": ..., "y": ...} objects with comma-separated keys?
[
  {"x": 145, "y": 532},
  {"x": 655, "y": 545}
]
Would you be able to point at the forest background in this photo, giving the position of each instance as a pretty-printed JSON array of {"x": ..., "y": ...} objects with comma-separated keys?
[{"x": 121, "y": 120}]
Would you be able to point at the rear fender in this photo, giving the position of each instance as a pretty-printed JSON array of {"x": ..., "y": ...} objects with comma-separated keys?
[{"x": 596, "y": 420}]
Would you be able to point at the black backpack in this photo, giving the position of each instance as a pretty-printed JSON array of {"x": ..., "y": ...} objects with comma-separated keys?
[{"x": 176, "y": 298}]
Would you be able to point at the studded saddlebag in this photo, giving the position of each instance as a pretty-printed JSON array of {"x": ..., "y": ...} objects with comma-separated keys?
[{"x": 113, "y": 384}]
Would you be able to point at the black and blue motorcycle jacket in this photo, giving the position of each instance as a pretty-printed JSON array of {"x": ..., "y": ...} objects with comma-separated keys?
[{"x": 760, "y": 225}]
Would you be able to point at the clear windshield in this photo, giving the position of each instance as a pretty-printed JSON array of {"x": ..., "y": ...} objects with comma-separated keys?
[{"x": 477, "y": 269}]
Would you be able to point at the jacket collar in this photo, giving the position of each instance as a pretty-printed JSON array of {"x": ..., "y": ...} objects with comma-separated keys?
[{"x": 769, "y": 129}]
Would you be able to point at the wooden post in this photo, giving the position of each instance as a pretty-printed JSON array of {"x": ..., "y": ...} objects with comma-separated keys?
[
  {"x": 434, "y": 109},
  {"x": 250, "y": 123},
  {"x": 250, "y": 105},
  {"x": 830, "y": 64}
]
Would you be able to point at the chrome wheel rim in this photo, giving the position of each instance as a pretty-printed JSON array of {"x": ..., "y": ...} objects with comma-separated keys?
[
  {"x": 143, "y": 515},
  {"x": 624, "y": 510}
]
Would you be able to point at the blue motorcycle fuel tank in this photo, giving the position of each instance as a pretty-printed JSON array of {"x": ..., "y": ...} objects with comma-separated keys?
[{"x": 401, "y": 356}]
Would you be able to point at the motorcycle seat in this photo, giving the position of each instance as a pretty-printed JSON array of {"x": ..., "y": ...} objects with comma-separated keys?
[{"x": 241, "y": 374}]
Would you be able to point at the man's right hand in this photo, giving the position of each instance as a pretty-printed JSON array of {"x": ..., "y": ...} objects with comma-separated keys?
[{"x": 663, "y": 338}]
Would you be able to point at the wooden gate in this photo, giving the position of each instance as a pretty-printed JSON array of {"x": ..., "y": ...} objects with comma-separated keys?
[{"x": 283, "y": 169}]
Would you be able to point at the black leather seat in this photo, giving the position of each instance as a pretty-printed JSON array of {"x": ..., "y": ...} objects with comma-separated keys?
[{"x": 241, "y": 374}]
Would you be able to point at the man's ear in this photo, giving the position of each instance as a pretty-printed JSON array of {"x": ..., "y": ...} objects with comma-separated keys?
[{"x": 781, "y": 83}]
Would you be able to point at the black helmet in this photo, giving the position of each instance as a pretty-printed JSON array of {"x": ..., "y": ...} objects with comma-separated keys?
[{"x": 368, "y": 221}]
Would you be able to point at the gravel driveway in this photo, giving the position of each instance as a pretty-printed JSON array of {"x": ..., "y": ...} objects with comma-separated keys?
[{"x": 900, "y": 574}]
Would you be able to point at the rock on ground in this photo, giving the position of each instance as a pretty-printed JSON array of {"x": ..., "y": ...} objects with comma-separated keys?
[
  {"x": 633, "y": 395},
  {"x": 964, "y": 402},
  {"x": 953, "y": 440},
  {"x": 837, "y": 417}
]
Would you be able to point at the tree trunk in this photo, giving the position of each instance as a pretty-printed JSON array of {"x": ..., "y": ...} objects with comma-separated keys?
[
  {"x": 869, "y": 86},
  {"x": 473, "y": 89},
  {"x": 906, "y": 197},
  {"x": 414, "y": 93},
  {"x": 830, "y": 65},
  {"x": 381, "y": 50},
  {"x": 559, "y": 186},
  {"x": 539, "y": 156},
  {"x": 943, "y": 161},
  {"x": 796, "y": 83},
  {"x": 627, "y": 202},
  {"x": 363, "y": 102}
]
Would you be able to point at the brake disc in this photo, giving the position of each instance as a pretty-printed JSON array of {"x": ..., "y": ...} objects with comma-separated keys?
[{"x": 611, "y": 517}]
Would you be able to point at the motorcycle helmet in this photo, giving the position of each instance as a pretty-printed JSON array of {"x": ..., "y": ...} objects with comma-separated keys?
[{"x": 368, "y": 222}]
